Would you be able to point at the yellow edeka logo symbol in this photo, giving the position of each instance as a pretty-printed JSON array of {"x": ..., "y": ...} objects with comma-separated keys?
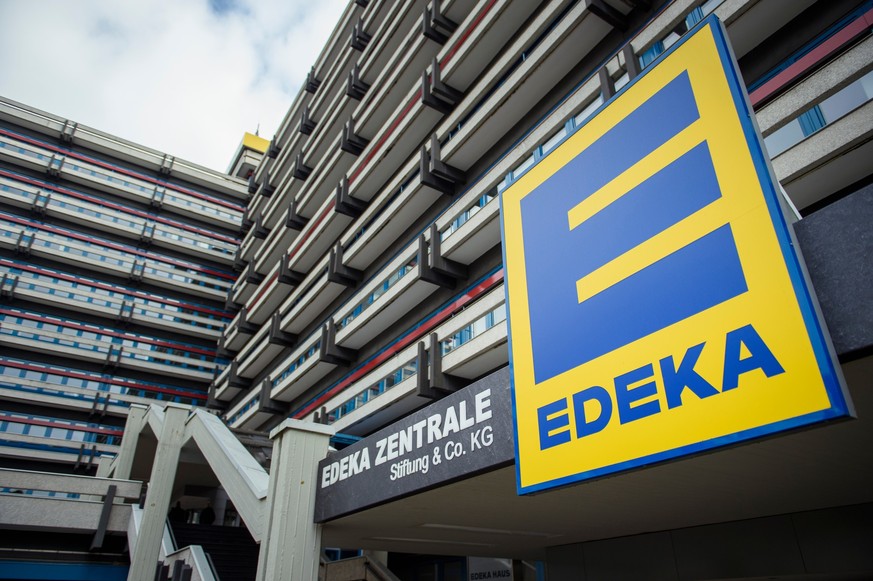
[{"x": 644, "y": 278}]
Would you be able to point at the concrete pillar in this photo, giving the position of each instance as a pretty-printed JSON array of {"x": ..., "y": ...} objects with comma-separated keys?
[
  {"x": 219, "y": 504},
  {"x": 291, "y": 544},
  {"x": 127, "y": 450},
  {"x": 160, "y": 489}
]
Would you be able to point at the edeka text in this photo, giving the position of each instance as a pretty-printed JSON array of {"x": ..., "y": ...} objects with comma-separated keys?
[
  {"x": 433, "y": 428},
  {"x": 637, "y": 393}
]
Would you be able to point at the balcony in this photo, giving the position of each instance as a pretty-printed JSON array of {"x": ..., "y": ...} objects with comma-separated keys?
[
  {"x": 328, "y": 108},
  {"x": 473, "y": 231},
  {"x": 44, "y": 286},
  {"x": 308, "y": 186},
  {"x": 548, "y": 48},
  {"x": 320, "y": 189},
  {"x": 247, "y": 414},
  {"x": 396, "y": 290},
  {"x": 398, "y": 63},
  {"x": 476, "y": 343},
  {"x": 57, "y": 127},
  {"x": 58, "y": 162},
  {"x": 287, "y": 134},
  {"x": 46, "y": 199},
  {"x": 470, "y": 343},
  {"x": 21, "y": 447},
  {"x": 27, "y": 393},
  {"x": 228, "y": 385},
  {"x": 391, "y": 392},
  {"x": 43, "y": 334},
  {"x": 27, "y": 237},
  {"x": 263, "y": 348},
  {"x": 309, "y": 300},
  {"x": 384, "y": 299},
  {"x": 400, "y": 203},
  {"x": 303, "y": 368},
  {"x": 64, "y": 387},
  {"x": 412, "y": 122},
  {"x": 67, "y": 440},
  {"x": 405, "y": 353},
  {"x": 819, "y": 150},
  {"x": 306, "y": 251}
]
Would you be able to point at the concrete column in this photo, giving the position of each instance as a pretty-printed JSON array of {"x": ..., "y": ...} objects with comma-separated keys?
[
  {"x": 291, "y": 544},
  {"x": 127, "y": 450},
  {"x": 160, "y": 489},
  {"x": 219, "y": 505}
]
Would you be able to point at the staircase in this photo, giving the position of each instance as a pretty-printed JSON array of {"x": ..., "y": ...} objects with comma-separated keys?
[
  {"x": 258, "y": 444},
  {"x": 233, "y": 552},
  {"x": 238, "y": 461}
]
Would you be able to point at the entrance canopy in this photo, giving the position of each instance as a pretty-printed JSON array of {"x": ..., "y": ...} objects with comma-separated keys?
[{"x": 826, "y": 466}]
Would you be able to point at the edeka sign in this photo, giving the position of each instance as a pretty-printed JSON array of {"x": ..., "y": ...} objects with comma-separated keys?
[
  {"x": 466, "y": 432},
  {"x": 656, "y": 305}
]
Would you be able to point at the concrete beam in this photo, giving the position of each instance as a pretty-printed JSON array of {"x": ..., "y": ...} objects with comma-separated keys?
[
  {"x": 245, "y": 481},
  {"x": 56, "y": 482},
  {"x": 123, "y": 463},
  {"x": 26, "y": 512},
  {"x": 160, "y": 489}
]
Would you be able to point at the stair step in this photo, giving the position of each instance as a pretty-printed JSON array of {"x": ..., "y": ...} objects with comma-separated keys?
[{"x": 233, "y": 551}]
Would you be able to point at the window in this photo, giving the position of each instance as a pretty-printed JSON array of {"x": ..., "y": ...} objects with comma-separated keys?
[{"x": 819, "y": 116}]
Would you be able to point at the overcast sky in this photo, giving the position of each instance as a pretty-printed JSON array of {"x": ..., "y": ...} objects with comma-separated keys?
[{"x": 186, "y": 77}]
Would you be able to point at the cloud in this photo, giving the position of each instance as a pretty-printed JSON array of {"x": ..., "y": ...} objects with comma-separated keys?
[{"x": 186, "y": 77}]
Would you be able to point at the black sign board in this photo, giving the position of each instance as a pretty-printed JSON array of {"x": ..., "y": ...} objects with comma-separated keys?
[{"x": 467, "y": 432}]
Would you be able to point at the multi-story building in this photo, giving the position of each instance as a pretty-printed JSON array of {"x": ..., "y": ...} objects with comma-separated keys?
[
  {"x": 372, "y": 278},
  {"x": 374, "y": 216},
  {"x": 115, "y": 261}
]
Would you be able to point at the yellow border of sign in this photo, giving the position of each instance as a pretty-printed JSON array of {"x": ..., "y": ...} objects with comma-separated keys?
[{"x": 778, "y": 302}]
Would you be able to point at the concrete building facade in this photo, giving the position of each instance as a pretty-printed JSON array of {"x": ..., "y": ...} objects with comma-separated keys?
[
  {"x": 115, "y": 263},
  {"x": 371, "y": 226},
  {"x": 373, "y": 274},
  {"x": 371, "y": 285}
]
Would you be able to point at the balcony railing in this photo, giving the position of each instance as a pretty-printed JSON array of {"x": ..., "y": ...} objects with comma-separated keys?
[
  {"x": 76, "y": 384},
  {"x": 34, "y": 331},
  {"x": 27, "y": 192},
  {"x": 53, "y": 287},
  {"x": 30, "y": 236},
  {"x": 820, "y": 115},
  {"x": 105, "y": 176}
]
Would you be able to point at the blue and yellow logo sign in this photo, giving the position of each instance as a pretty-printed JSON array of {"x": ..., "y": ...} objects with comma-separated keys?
[{"x": 656, "y": 305}]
